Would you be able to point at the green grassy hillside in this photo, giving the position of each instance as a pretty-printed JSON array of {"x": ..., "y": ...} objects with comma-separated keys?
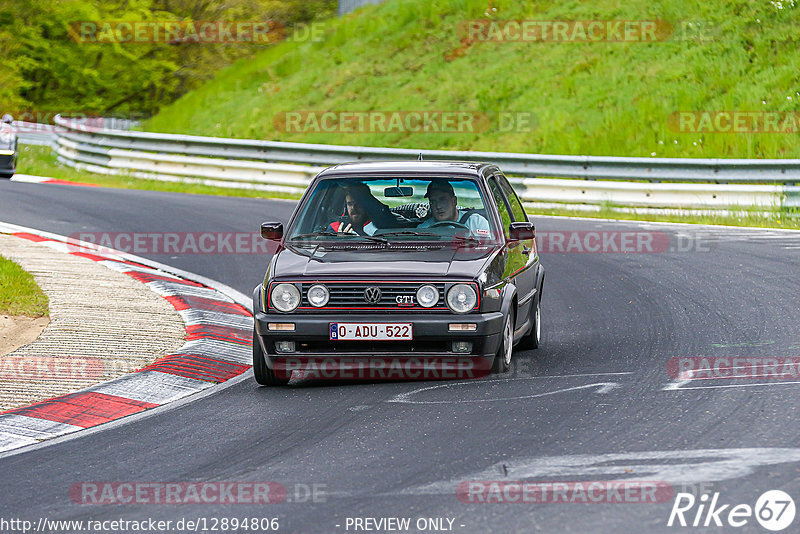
[{"x": 598, "y": 98}]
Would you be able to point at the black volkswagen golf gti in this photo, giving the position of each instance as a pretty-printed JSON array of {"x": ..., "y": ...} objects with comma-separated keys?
[{"x": 401, "y": 270}]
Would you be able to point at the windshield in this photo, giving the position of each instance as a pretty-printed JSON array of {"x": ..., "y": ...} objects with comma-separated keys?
[{"x": 394, "y": 209}]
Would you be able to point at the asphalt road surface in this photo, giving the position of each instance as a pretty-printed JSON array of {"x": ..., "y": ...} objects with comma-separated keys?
[{"x": 599, "y": 401}]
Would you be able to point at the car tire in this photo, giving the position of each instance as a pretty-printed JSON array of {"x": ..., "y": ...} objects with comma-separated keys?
[
  {"x": 502, "y": 360},
  {"x": 534, "y": 337},
  {"x": 264, "y": 374}
]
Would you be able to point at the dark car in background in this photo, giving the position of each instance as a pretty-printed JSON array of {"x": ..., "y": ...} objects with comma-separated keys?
[
  {"x": 8, "y": 147},
  {"x": 401, "y": 270}
]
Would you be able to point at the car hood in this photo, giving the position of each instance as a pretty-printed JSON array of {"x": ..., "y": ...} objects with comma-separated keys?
[{"x": 445, "y": 262}]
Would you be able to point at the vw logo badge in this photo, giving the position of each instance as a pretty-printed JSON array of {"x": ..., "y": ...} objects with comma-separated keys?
[{"x": 372, "y": 295}]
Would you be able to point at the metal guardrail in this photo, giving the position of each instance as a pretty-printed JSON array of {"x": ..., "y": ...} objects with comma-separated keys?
[
  {"x": 704, "y": 183},
  {"x": 32, "y": 133},
  {"x": 36, "y": 133}
]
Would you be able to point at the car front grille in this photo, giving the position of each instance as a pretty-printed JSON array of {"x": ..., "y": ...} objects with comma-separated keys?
[{"x": 393, "y": 295}]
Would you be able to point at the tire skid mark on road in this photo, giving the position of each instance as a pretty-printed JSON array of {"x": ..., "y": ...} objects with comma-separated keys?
[{"x": 217, "y": 349}]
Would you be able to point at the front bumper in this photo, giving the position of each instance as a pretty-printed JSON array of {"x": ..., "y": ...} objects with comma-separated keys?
[{"x": 429, "y": 355}]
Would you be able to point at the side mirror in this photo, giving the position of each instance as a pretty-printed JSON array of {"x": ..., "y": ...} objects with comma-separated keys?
[
  {"x": 521, "y": 231},
  {"x": 272, "y": 231}
]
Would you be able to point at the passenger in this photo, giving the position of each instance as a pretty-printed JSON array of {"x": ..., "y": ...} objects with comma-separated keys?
[{"x": 444, "y": 208}]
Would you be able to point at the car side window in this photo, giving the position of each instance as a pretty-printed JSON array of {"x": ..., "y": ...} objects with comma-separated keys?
[
  {"x": 505, "y": 216},
  {"x": 513, "y": 200}
]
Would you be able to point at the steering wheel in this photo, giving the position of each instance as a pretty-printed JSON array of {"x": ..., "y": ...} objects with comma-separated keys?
[{"x": 449, "y": 224}]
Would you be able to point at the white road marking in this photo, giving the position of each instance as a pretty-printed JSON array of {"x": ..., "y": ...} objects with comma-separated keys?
[
  {"x": 676, "y": 384},
  {"x": 29, "y": 179},
  {"x": 152, "y": 386},
  {"x": 404, "y": 398},
  {"x": 688, "y": 376},
  {"x": 14, "y": 441},
  {"x": 194, "y": 316},
  {"x": 171, "y": 289},
  {"x": 127, "y": 267},
  {"x": 781, "y": 383},
  {"x": 20, "y": 430},
  {"x": 223, "y": 350},
  {"x": 33, "y": 427},
  {"x": 572, "y": 376}
]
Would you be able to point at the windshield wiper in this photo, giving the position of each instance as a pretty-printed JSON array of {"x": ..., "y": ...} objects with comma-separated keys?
[
  {"x": 315, "y": 234},
  {"x": 471, "y": 239},
  {"x": 412, "y": 233},
  {"x": 338, "y": 234}
]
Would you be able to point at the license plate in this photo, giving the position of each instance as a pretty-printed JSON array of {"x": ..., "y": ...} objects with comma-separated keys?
[{"x": 370, "y": 331}]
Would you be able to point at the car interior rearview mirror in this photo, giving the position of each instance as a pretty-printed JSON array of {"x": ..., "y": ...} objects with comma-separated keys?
[{"x": 399, "y": 191}]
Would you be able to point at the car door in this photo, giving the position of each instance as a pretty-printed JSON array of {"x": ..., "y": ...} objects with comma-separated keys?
[
  {"x": 528, "y": 247},
  {"x": 521, "y": 254}
]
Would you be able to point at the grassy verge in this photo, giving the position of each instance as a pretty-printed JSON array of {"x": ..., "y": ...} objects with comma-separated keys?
[
  {"x": 41, "y": 161},
  {"x": 19, "y": 294}
]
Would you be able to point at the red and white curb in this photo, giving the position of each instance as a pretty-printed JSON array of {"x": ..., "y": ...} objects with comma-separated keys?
[
  {"x": 30, "y": 179},
  {"x": 217, "y": 349}
]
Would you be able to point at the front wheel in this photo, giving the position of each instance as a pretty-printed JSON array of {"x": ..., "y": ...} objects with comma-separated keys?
[
  {"x": 264, "y": 375},
  {"x": 502, "y": 360}
]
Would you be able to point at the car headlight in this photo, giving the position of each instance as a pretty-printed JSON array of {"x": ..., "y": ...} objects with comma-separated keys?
[
  {"x": 318, "y": 295},
  {"x": 285, "y": 297},
  {"x": 427, "y": 296},
  {"x": 461, "y": 298}
]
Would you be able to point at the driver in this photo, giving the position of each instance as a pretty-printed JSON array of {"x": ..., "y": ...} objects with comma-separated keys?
[
  {"x": 356, "y": 220},
  {"x": 443, "y": 202}
]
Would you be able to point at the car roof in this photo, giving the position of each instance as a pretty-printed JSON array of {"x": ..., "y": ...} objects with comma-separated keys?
[{"x": 405, "y": 167}]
